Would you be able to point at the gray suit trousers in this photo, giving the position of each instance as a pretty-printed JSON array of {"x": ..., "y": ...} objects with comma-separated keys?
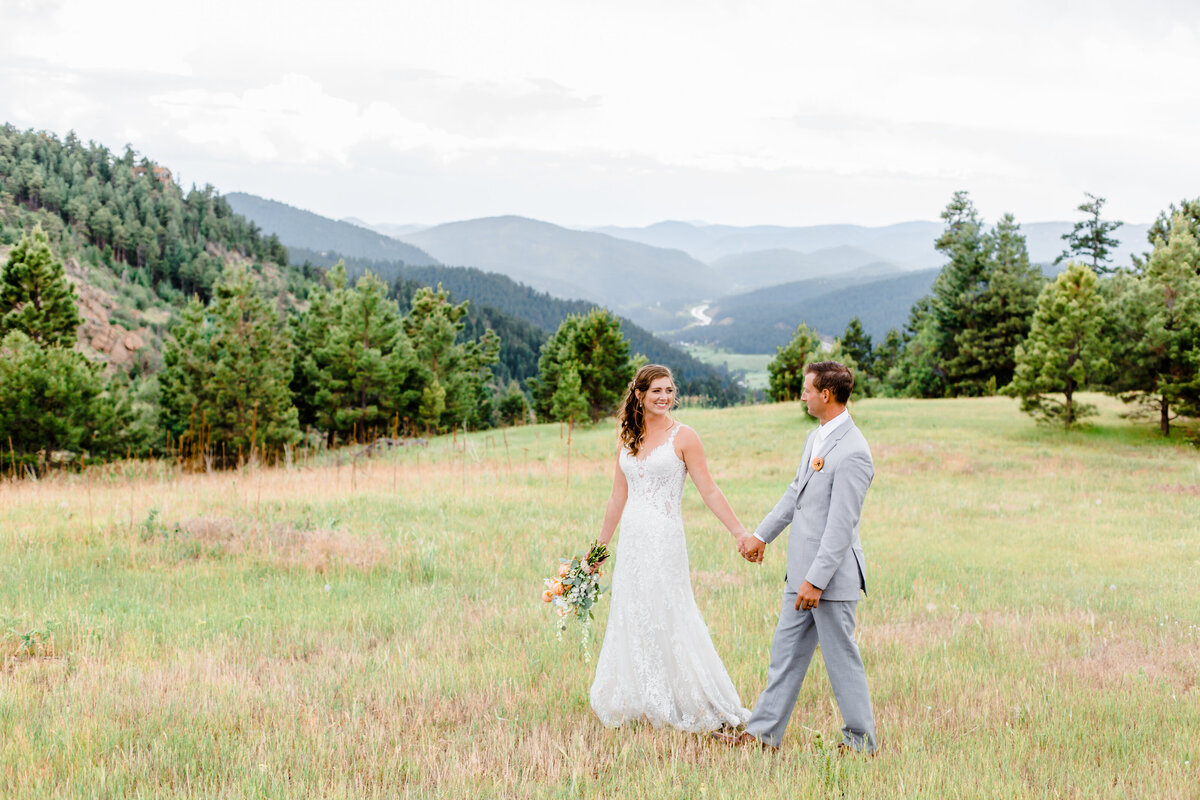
[{"x": 831, "y": 624}]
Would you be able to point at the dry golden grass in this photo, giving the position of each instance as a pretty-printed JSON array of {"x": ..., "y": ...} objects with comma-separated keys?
[{"x": 371, "y": 627}]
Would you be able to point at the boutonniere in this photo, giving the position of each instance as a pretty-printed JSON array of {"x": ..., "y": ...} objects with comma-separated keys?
[{"x": 817, "y": 463}]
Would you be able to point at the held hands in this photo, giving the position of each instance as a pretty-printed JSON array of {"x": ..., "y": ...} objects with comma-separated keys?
[{"x": 751, "y": 547}]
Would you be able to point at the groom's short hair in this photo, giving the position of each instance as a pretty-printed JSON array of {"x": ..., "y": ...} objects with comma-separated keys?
[{"x": 833, "y": 376}]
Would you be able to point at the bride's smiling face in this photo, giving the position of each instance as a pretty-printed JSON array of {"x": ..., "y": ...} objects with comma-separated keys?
[{"x": 659, "y": 399}]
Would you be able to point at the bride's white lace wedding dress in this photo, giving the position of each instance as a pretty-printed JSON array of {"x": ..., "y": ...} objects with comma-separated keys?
[{"x": 658, "y": 663}]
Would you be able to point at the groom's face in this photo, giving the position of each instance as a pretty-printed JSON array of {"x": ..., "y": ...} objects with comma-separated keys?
[{"x": 815, "y": 400}]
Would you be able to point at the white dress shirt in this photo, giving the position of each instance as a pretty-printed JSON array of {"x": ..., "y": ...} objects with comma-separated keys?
[{"x": 828, "y": 428}]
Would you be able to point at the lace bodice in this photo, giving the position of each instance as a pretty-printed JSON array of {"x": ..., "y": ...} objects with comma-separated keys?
[{"x": 655, "y": 481}]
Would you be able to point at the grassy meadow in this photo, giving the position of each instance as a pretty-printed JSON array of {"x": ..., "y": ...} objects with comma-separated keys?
[
  {"x": 373, "y": 627},
  {"x": 753, "y": 364}
]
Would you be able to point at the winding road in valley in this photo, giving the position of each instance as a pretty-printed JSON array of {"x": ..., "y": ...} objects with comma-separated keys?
[{"x": 700, "y": 316}]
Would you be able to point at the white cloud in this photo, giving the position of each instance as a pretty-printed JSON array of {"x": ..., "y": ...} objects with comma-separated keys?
[{"x": 772, "y": 110}]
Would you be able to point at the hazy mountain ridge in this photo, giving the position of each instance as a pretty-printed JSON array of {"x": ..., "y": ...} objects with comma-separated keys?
[
  {"x": 762, "y": 268},
  {"x": 762, "y": 320},
  {"x": 758, "y": 296},
  {"x": 615, "y": 272},
  {"x": 395, "y": 230},
  {"x": 907, "y": 244},
  {"x": 299, "y": 228},
  {"x": 492, "y": 294}
]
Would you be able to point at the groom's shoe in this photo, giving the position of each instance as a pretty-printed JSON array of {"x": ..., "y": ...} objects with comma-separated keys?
[
  {"x": 844, "y": 749},
  {"x": 743, "y": 739}
]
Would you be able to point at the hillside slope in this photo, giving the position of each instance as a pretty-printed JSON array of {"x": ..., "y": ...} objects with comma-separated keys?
[
  {"x": 761, "y": 268},
  {"x": 491, "y": 293},
  {"x": 569, "y": 263},
  {"x": 132, "y": 242},
  {"x": 296, "y": 227},
  {"x": 760, "y": 321}
]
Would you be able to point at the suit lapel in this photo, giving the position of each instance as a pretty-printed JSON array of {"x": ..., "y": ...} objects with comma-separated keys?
[
  {"x": 807, "y": 464},
  {"x": 829, "y": 446}
]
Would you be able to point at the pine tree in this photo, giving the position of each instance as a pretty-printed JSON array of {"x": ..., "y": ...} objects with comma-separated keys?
[
  {"x": 569, "y": 403},
  {"x": 433, "y": 405},
  {"x": 857, "y": 346},
  {"x": 886, "y": 355},
  {"x": 786, "y": 370},
  {"x": 1000, "y": 315},
  {"x": 1161, "y": 227},
  {"x": 54, "y": 399},
  {"x": 455, "y": 374},
  {"x": 958, "y": 287},
  {"x": 357, "y": 371},
  {"x": 595, "y": 347},
  {"x": 1091, "y": 239},
  {"x": 1065, "y": 350},
  {"x": 225, "y": 384},
  {"x": 1163, "y": 306},
  {"x": 35, "y": 296},
  {"x": 917, "y": 372},
  {"x": 512, "y": 406},
  {"x": 960, "y": 342}
]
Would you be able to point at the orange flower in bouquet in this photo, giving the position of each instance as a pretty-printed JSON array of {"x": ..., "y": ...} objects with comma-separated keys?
[{"x": 575, "y": 591}]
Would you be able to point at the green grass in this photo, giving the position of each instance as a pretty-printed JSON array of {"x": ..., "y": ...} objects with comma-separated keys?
[
  {"x": 753, "y": 364},
  {"x": 374, "y": 628}
]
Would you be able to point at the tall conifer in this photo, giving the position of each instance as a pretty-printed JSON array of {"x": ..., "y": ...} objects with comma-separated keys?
[
  {"x": 35, "y": 296},
  {"x": 1064, "y": 351},
  {"x": 1092, "y": 239},
  {"x": 225, "y": 383},
  {"x": 1163, "y": 306}
]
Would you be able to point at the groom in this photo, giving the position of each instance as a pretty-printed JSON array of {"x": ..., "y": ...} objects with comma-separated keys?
[{"x": 825, "y": 569}]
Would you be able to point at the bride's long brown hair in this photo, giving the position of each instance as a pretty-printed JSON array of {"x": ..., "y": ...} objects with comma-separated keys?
[{"x": 632, "y": 415}]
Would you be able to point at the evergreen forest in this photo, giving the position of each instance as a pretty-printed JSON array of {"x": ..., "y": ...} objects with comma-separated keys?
[{"x": 137, "y": 318}]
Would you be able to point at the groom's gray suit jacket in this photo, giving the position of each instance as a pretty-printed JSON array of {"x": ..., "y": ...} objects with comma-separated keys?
[{"x": 823, "y": 508}]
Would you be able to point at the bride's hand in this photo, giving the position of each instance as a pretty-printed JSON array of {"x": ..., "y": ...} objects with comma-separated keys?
[{"x": 752, "y": 548}]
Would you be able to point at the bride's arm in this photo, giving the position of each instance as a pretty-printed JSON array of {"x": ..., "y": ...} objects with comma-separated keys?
[
  {"x": 616, "y": 503},
  {"x": 714, "y": 498}
]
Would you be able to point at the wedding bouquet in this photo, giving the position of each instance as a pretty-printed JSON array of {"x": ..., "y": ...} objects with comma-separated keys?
[{"x": 576, "y": 590}]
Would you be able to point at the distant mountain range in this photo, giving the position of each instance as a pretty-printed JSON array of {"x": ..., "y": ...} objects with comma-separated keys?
[
  {"x": 621, "y": 274},
  {"x": 296, "y": 227},
  {"x": 760, "y": 281},
  {"x": 907, "y": 244},
  {"x": 760, "y": 321},
  {"x": 761, "y": 268},
  {"x": 395, "y": 231},
  {"x": 494, "y": 296}
]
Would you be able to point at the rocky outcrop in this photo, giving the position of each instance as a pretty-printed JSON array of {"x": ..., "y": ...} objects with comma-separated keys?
[{"x": 99, "y": 337}]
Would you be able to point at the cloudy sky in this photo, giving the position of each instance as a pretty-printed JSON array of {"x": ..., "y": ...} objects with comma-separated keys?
[{"x": 615, "y": 112}]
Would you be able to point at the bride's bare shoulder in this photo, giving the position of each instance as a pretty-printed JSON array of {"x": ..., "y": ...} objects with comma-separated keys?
[{"x": 686, "y": 435}]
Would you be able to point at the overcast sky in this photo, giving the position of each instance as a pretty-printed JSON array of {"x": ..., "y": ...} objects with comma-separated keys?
[{"x": 615, "y": 112}]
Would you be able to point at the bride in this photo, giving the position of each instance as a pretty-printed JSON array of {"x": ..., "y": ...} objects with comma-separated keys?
[{"x": 658, "y": 663}]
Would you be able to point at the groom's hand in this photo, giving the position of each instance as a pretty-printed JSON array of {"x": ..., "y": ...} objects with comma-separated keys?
[
  {"x": 808, "y": 596},
  {"x": 752, "y": 548}
]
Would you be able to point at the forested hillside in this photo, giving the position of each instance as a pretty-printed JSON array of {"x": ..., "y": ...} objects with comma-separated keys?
[
  {"x": 124, "y": 212},
  {"x": 133, "y": 243},
  {"x": 524, "y": 318},
  {"x": 135, "y": 246},
  {"x": 762, "y": 320},
  {"x": 218, "y": 350}
]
